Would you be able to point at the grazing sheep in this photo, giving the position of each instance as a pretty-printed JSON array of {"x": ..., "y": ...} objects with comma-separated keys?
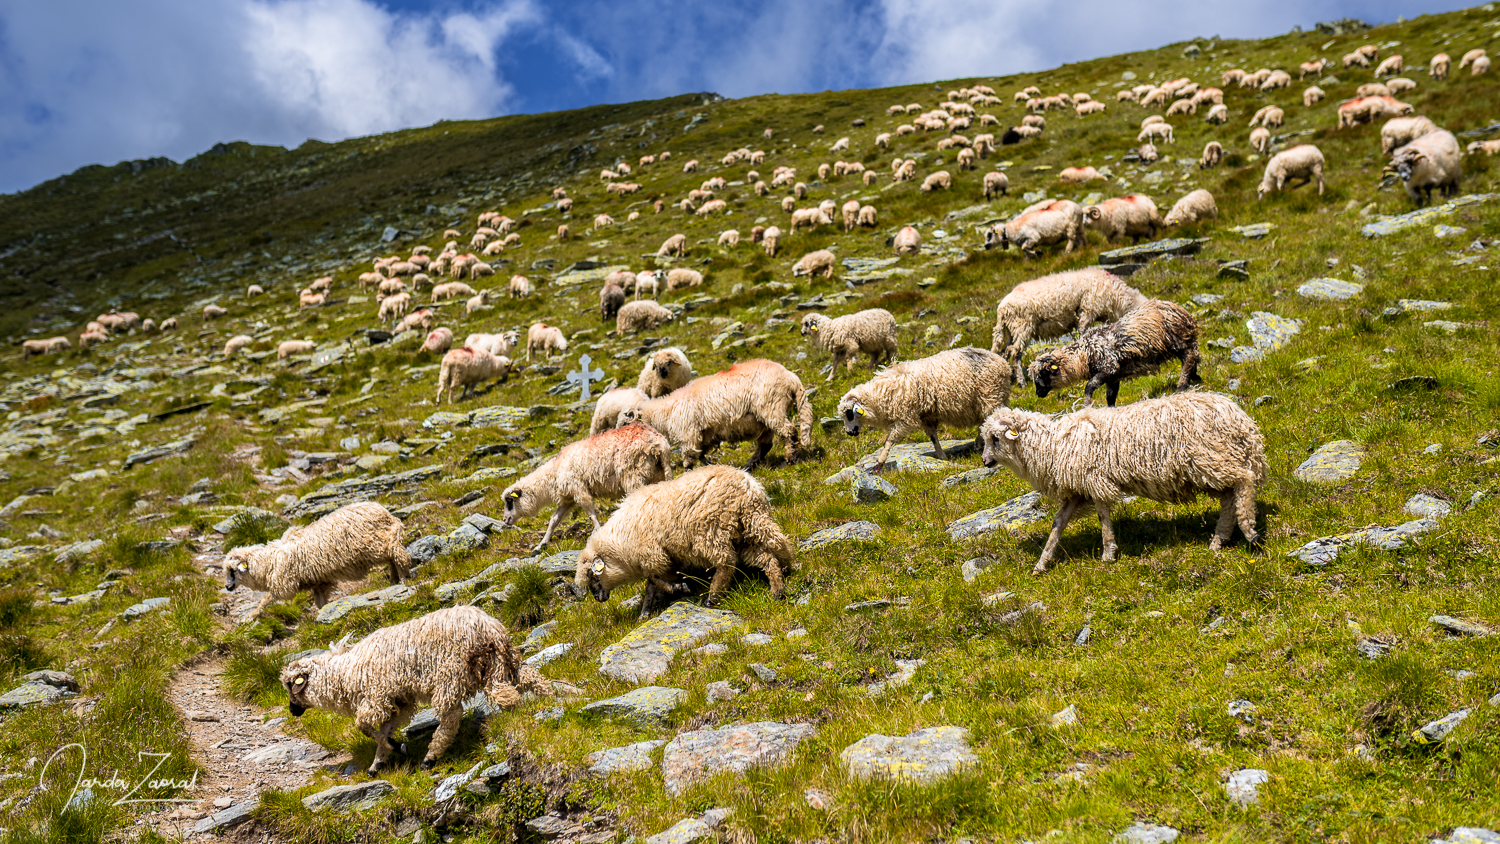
[
  {"x": 1147, "y": 153},
  {"x": 956, "y": 388},
  {"x": 254, "y": 290},
  {"x": 1276, "y": 80},
  {"x": 1486, "y": 147},
  {"x": 467, "y": 368},
  {"x": 421, "y": 318},
  {"x": 940, "y": 180},
  {"x": 709, "y": 518},
  {"x": 213, "y": 312},
  {"x": 1472, "y": 56},
  {"x": 1053, "y": 305},
  {"x": 1213, "y": 153},
  {"x": 321, "y": 285},
  {"x": 616, "y": 408},
  {"x": 1390, "y": 67},
  {"x": 907, "y": 241},
  {"x": 729, "y": 238},
  {"x": 1196, "y": 206},
  {"x": 231, "y": 348},
  {"x": 676, "y": 245},
  {"x": 496, "y": 344},
  {"x": 1182, "y": 107},
  {"x": 1260, "y": 140},
  {"x": 611, "y": 299},
  {"x": 438, "y": 341},
  {"x": 443, "y": 658},
  {"x": 1363, "y": 110},
  {"x": 1481, "y": 66},
  {"x": 870, "y": 332},
  {"x": 1231, "y": 77},
  {"x": 866, "y": 217},
  {"x": 1303, "y": 162},
  {"x": 366, "y": 279},
  {"x": 1083, "y": 175},
  {"x": 451, "y": 290},
  {"x": 520, "y": 287},
  {"x": 850, "y": 213},
  {"x": 682, "y": 277},
  {"x": 1138, "y": 344},
  {"x": 1355, "y": 58},
  {"x": 665, "y": 370},
  {"x": 562, "y": 231},
  {"x": 1169, "y": 449},
  {"x": 610, "y": 464},
  {"x": 641, "y": 315},
  {"x": 1312, "y": 96},
  {"x": 390, "y": 287},
  {"x": 1265, "y": 115},
  {"x": 1313, "y": 67},
  {"x": 1400, "y": 131},
  {"x": 750, "y": 400},
  {"x": 342, "y": 546},
  {"x": 49, "y": 346},
  {"x": 770, "y": 241},
  {"x": 648, "y": 282},
  {"x": 476, "y": 302},
  {"x": 1400, "y": 85},
  {"x": 1046, "y": 223},
  {"x": 814, "y": 264},
  {"x": 1430, "y": 161},
  {"x": 546, "y": 339},
  {"x": 169, "y": 324},
  {"x": 1134, "y": 216},
  {"x": 995, "y": 184},
  {"x": 294, "y": 347},
  {"x": 1372, "y": 89},
  {"x": 1218, "y": 115},
  {"x": 1152, "y": 131}
]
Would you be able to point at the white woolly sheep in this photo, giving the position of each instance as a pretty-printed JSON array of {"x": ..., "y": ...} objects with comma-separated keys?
[
  {"x": 1213, "y": 153},
  {"x": 750, "y": 400},
  {"x": 1400, "y": 131},
  {"x": 617, "y": 407},
  {"x": 1390, "y": 67},
  {"x": 1276, "y": 80},
  {"x": 609, "y": 465},
  {"x": 1046, "y": 223},
  {"x": 421, "y": 318},
  {"x": 676, "y": 245},
  {"x": 1472, "y": 56},
  {"x": 520, "y": 287},
  {"x": 995, "y": 184},
  {"x": 341, "y": 547},
  {"x": 730, "y": 238},
  {"x": 1218, "y": 115},
  {"x": 451, "y": 290},
  {"x": 1312, "y": 96},
  {"x": 665, "y": 370},
  {"x": 814, "y": 264},
  {"x": 1152, "y": 131},
  {"x": 906, "y": 241},
  {"x": 809, "y": 218},
  {"x": 213, "y": 312},
  {"x": 870, "y": 332},
  {"x": 1054, "y": 305},
  {"x": 254, "y": 290},
  {"x": 648, "y": 282},
  {"x": 1368, "y": 109},
  {"x": 438, "y": 341},
  {"x": 476, "y": 302},
  {"x": 1134, "y": 216},
  {"x": 1303, "y": 162},
  {"x": 940, "y": 180},
  {"x": 770, "y": 241},
  {"x": 1138, "y": 344},
  {"x": 641, "y": 315},
  {"x": 682, "y": 277},
  {"x": 1400, "y": 85},
  {"x": 1182, "y": 107},
  {"x": 1372, "y": 89},
  {"x": 390, "y": 287},
  {"x": 955, "y": 388},
  {"x": 1431, "y": 161},
  {"x": 294, "y": 347},
  {"x": 1169, "y": 449},
  {"x": 231, "y": 348},
  {"x": 1481, "y": 66},
  {"x": 546, "y": 339},
  {"x": 169, "y": 324},
  {"x": 1083, "y": 175},
  {"x": 710, "y": 518},
  {"x": 1260, "y": 140},
  {"x": 1194, "y": 207},
  {"x": 866, "y": 216},
  {"x": 443, "y": 658},
  {"x": 1268, "y": 116},
  {"x": 1486, "y": 147},
  {"x": 467, "y": 368}
]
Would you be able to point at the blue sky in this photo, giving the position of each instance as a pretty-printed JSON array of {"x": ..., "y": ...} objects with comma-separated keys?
[{"x": 102, "y": 81}]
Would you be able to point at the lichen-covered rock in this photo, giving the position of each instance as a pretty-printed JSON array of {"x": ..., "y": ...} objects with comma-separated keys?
[
  {"x": 1331, "y": 463},
  {"x": 549, "y": 653},
  {"x": 908, "y": 457},
  {"x": 969, "y": 477},
  {"x": 34, "y": 693},
  {"x": 1142, "y": 253},
  {"x": 1243, "y": 786},
  {"x": 1435, "y": 731},
  {"x": 924, "y": 756},
  {"x": 497, "y": 416},
  {"x": 337, "y": 609},
  {"x": 905, "y": 670},
  {"x": 1014, "y": 514},
  {"x": 647, "y": 651},
  {"x": 646, "y": 707},
  {"x": 148, "y": 605},
  {"x": 695, "y": 756},
  {"x": 20, "y": 553},
  {"x": 631, "y": 757},
  {"x": 1268, "y": 332},
  {"x": 1469, "y": 835},
  {"x": 1253, "y": 231},
  {"x": 870, "y": 489},
  {"x": 1321, "y": 552},
  {"x": 1146, "y": 833},
  {"x": 228, "y": 818},
  {"x": 333, "y": 496},
  {"x": 860, "y": 530},
  {"x": 1422, "y": 305},
  {"x": 156, "y": 453},
  {"x": 1427, "y": 506},
  {"x": 1424, "y": 216},
  {"x": 1329, "y": 289},
  {"x": 1461, "y": 627},
  {"x": 353, "y": 797}
]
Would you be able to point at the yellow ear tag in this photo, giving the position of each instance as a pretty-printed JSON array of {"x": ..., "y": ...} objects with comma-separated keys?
[
  {"x": 861, "y": 411},
  {"x": 1013, "y": 434},
  {"x": 1054, "y": 367},
  {"x": 813, "y": 327},
  {"x": 299, "y": 681},
  {"x": 244, "y": 567},
  {"x": 598, "y": 567}
]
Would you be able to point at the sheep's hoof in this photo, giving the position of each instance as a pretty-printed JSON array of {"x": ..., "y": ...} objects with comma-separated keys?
[
  {"x": 429, "y": 764},
  {"x": 1040, "y": 568},
  {"x": 1110, "y": 555}
]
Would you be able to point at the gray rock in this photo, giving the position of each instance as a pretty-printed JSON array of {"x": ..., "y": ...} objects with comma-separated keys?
[
  {"x": 905, "y": 670},
  {"x": 156, "y": 453},
  {"x": 60, "y": 679},
  {"x": 860, "y": 530},
  {"x": 148, "y": 605},
  {"x": 631, "y": 757},
  {"x": 756, "y": 639},
  {"x": 1460, "y": 627},
  {"x": 695, "y": 756},
  {"x": 1268, "y": 332},
  {"x": 924, "y": 756},
  {"x": 647, "y": 651},
  {"x": 971, "y": 569},
  {"x": 227, "y": 819},
  {"x": 548, "y": 654},
  {"x": 1422, "y": 305},
  {"x": 466, "y": 537},
  {"x": 1241, "y": 709},
  {"x": 908, "y": 457},
  {"x": 1321, "y": 552},
  {"x": 1144, "y": 252},
  {"x": 645, "y": 707},
  {"x": 353, "y": 797},
  {"x": 335, "y": 495},
  {"x": 1469, "y": 835},
  {"x": 1331, "y": 463},
  {"x": 537, "y": 636},
  {"x": 33, "y": 694},
  {"x": 1329, "y": 289},
  {"x": 450, "y": 785},
  {"x": 766, "y": 673},
  {"x": 1012, "y": 515},
  {"x": 1243, "y": 786},
  {"x": 721, "y": 690},
  {"x": 426, "y": 549},
  {"x": 870, "y": 489},
  {"x": 686, "y": 831},
  {"x": 969, "y": 477},
  {"x": 1436, "y": 731},
  {"x": 1427, "y": 506},
  {"x": 879, "y": 603},
  {"x": 335, "y": 610},
  {"x": 1422, "y": 217},
  {"x": 484, "y": 523},
  {"x": 78, "y": 551},
  {"x": 1146, "y": 833},
  {"x": 282, "y": 753}
]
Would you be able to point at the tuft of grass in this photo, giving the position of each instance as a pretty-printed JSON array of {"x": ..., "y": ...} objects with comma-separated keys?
[
  {"x": 252, "y": 531},
  {"x": 530, "y": 595},
  {"x": 252, "y": 675},
  {"x": 16, "y": 608}
]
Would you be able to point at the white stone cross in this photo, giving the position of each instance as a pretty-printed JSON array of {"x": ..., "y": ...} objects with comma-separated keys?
[{"x": 583, "y": 377}]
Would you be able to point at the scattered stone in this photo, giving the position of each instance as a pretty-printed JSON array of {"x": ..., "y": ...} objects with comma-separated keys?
[
  {"x": 1441, "y": 231},
  {"x": 152, "y": 455},
  {"x": 335, "y": 495},
  {"x": 426, "y": 549},
  {"x": 1012, "y": 515},
  {"x": 228, "y": 818},
  {"x": 905, "y": 670},
  {"x": 860, "y": 530},
  {"x": 538, "y": 635},
  {"x": 1427, "y": 506},
  {"x": 34, "y": 693},
  {"x": 355, "y": 796},
  {"x": 1424, "y": 216},
  {"x": 1329, "y": 289},
  {"x": 879, "y": 603},
  {"x": 1446, "y": 326},
  {"x": 631, "y": 757},
  {"x": 818, "y": 799},
  {"x": 1321, "y": 552},
  {"x": 148, "y": 605},
  {"x": 647, "y": 651},
  {"x": 286, "y": 752},
  {"x": 695, "y": 756},
  {"x": 1469, "y": 835},
  {"x": 1146, "y": 833},
  {"x": 1083, "y": 636},
  {"x": 923, "y": 756},
  {"x": 548, "y": 654},
  {"x": 1243, "y": 786},
  {"x": 1268, "y": 332},
  {"x": 686, "y": 831},
  {"x": 1461, "y": 627},
  {"x": 969, "y": 477},
  {"x": 337, "y": 609},
  {"x": 1422, "y": 305},
  {"x": 870, "y": 489},
  {"x": 646, "y": 707},
  {"x": 1438, "y": 730},
  {"x": 1155, "y": 249},
  {"x": 721, "y": 690},
  {"x": 971, "y": 569},
  {"x": 796, "y": 633},
  {"x": 908, "y": 457},
  {"x": 765, "y": 673},
  {"x": 450, "y": 785},
  {"x": 78, "y": 551},
  {"x": 1068, "y": 717},
  {"x": 1331, "y": 463}
]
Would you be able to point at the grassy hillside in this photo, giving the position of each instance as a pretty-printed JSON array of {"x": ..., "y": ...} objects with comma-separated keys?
[{"x": 1156, "y": 652}]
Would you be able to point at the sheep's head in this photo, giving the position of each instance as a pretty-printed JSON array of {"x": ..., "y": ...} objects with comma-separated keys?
[
  {"x": 627, "y": 416},
  {"x": 664, "y": 362},
  {"x": 297, "y": 680},
  {"x": 239, "y": 567},
  {"x": 520, "y": 503},
  {"x": 1001, "y": 435},
  {"x": 1056, "y": 369},
  {"x": 590, "y": 576},
  {"x": 854, "y": 414},
  {"x": 996, "y": 236},
  {"x": 1405, "y": 163},
  {"x": 811, "y": 323}
]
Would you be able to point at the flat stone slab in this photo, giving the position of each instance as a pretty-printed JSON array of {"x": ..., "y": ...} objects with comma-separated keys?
[
  {"x": 870, "y": 489},
  {"x": 1331, "y": 463},
  {"x": 908, "y": 457},
  {"x": 905, "y": 670},
  {"x": 1013, "y": 515},
  {"x": 1427, "y": 506},
  {"x": 151, "y": 455},
  {"x": 1243, "y": 786},
  {"x": 1329, "y": 289},
  {"x": 1146, "y": 833},
  {"x": 1268, "y": 332},
  {"x": 1423, "y": 217},
  {"x": 1254, "y": 231},
  {"x": 549, "y": 653},
  {"x": 281, "y": 753},
  {"x": 685, "y": 831},
  {"x": 1321, "y": 552},
  {"x": 78, "y": 550},
  {"x": 1469, "y": 835},
  {"x": 646, "y": 707},
  {"x": 860, "y": 530},
  {"x": 228, "y": 818},
  {"x": 1422, "y": 305},
  {"x": 1155, "y": 249},
  {"x": 335, "y": 495},
  {"x": 1461, "y": 627},
  {"x": 35, "y": 693},
  {"x": 631, "y": 757},
  {"x": 647, "y": 651},
  {"x": 20, "y": 553},
  {"x": 924, "y": 756},
  {"x": 1435, "y": 731},
  {"x": 695, "y": 756},
  {"x": 352, "y": 797},
  {"x": 335, "y": 610},
  {"x": 146, "y": 606},
  {"x": 970, "y": 477}
]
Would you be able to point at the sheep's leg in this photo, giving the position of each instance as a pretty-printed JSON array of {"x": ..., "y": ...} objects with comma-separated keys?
[
  {"x": 1112, "y": 392},
  {"x": 1089, "y": 388},
  {"x": 450, "y": 719},
  {"x": 723, "y": 573},
  {"x": 377, "y": 724},
  {"x": 1224, "y": 530},
  {"x": 261, "y": 607},
  {"x": 321, "y": 592},
  {"x": 562, "y": 512},
  {"x": 937, "y": 445},
  {"x": 589, "y": 506},
  {"x": 1190, "y": 360},
  {"x": 896, "y": 435},
  {"x": 1107, "y": 531},
  {"x": 764, "y": 560},
  {"x": 1064, "y": 515}
]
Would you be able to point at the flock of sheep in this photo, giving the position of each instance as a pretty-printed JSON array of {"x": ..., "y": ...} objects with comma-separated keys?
[{"x": 716, "y": 519}]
